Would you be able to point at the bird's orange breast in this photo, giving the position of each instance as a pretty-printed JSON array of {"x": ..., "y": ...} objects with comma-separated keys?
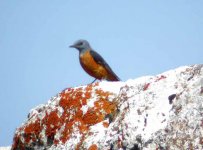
[{"x": 92, "y": 67}]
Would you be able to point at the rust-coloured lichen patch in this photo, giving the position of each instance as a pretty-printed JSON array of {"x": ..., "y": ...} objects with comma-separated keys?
[
  {"x": 106, "y": 124},
  {"x": 52, "y": 122},
  {"x": 72, "y": 103},
  {"x": 31, "y": 131},
  {"x": 70, "y": 117},
  {"x": 93, "y": 147}
]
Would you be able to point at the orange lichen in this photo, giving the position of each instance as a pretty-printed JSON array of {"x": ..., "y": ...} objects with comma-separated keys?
[
  {"x": 72, "y": 102},
  {"x": 101, "y": 93},
  {"x": 105, "y": 124},
  {"x": 79, "y": 145},
  {"x": 72, "y": 117},
  {"x": 105, "y": 105},
  {"x": 93, "y": 147},
  {"x": 92, "y": 117},
  {"x": 52, "y": 122},
  {"x": 66, "y": 132},
  {"x": 31, "y": 134},
  {"x": 17, "y": 143},
  {"x": 33, "y": 127},
  {"x": 32, "y": 131}
]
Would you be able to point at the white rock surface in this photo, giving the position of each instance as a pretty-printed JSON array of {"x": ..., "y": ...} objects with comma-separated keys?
[
  {"x": 153, "y": 112},
  {"x": 5, "y": 148}
]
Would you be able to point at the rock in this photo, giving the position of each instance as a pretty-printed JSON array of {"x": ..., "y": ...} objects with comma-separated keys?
[
  {"x": 135, "y": 114},
  {"x": 5, "y": 148}
]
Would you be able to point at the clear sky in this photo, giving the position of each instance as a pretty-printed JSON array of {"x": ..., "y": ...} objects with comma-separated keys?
[{"x": 136, "y": 38}]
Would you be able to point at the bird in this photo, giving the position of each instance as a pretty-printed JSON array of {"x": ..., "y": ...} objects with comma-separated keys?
[{"x": 93, "y": 63}]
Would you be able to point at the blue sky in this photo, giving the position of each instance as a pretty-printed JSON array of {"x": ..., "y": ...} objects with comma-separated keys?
[{"x": 136, "y": 38}]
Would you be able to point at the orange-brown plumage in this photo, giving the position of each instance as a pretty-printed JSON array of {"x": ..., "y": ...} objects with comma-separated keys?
[{"x": 93, "y": 63}]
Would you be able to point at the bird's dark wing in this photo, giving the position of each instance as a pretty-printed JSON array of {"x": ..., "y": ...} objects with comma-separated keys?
[
  {"x": 98, "y": 58},
  {"x": 102, "y": 62}
]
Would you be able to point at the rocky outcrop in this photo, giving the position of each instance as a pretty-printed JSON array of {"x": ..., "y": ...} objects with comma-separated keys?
[
  {"x": 152, "y": 112},
  {"x": 5, "y": 148}
]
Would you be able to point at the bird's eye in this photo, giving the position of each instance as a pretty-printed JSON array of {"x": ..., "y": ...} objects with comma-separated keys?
[{"x": 81, "y": 43}]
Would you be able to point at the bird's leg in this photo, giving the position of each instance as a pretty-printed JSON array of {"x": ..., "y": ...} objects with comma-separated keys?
[{"x": 94, "y": 81}]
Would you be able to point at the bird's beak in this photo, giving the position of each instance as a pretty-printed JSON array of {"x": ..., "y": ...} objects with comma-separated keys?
[{"x": 72, "y": 46}]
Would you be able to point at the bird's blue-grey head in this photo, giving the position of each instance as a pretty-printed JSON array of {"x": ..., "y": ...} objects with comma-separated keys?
[{"x": 81, "y": 45}]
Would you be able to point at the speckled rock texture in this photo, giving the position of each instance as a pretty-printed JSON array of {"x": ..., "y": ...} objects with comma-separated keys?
[{"x": 153, "y": 112}]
